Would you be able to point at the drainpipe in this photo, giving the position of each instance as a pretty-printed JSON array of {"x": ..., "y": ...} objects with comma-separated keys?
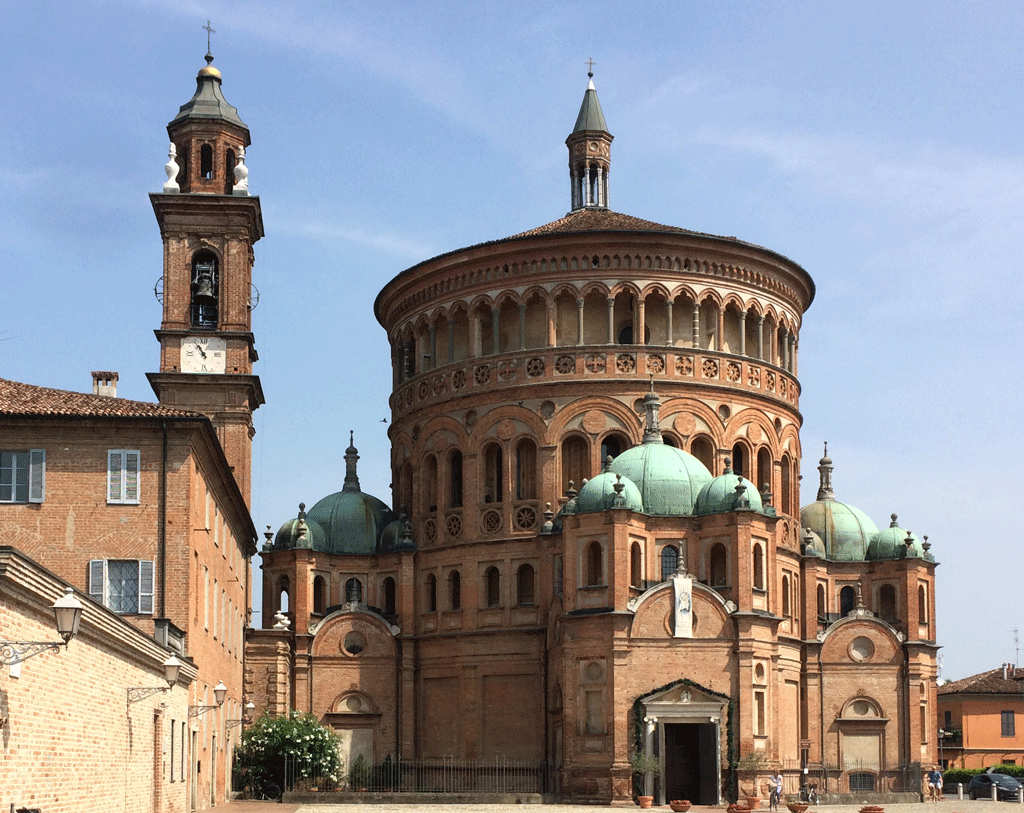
[{"x": 163, "y": 525}]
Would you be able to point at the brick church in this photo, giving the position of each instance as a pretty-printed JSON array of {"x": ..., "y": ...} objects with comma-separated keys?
[{"x": 594, "y": 544}]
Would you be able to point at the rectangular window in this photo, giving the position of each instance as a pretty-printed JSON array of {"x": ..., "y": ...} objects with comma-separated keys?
[
  {"x": 1009, "y": 726},
  {"x": 23, "y": 476},
  {"x": 947, "y": 719},
  {"x": 123, "y": 585},
  {"x": 123, "y": 476},
  {"x": 173, "y": 726}
]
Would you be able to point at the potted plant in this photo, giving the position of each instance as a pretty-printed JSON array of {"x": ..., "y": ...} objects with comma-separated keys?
[
  {"x": 749, "y": 767},
  {"x": 644, "y": 763},
  {"x": 360, "y": 774},
  {"x": 679, "y": 805}
]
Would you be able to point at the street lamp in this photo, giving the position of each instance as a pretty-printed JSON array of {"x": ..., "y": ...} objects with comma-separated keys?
[
  {"x": 245, "y": 718},
  {"x": 219, "y": 692},
  {"x": 942, "y": 736},
  {"x": 67, "y": 611},
  {"x": 172, "y": 666}
]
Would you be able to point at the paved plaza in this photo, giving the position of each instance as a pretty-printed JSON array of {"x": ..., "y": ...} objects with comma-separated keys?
[{"x": 946, "y": 806}]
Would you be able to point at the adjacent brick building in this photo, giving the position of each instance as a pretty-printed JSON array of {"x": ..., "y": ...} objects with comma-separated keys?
[
  {"x": 595, "y": 543},
  {"x": 144, "y": 507}
]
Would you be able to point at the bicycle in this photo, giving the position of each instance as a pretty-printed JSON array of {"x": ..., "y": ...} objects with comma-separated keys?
[
  {"x": 256, "y": 789},
  {"x": 809, "y": 794}
]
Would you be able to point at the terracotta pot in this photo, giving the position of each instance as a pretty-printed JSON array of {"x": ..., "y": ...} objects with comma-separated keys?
[
  {"x": 680, "y": 805},
  {"x": 753, "y": 802},
  {"x": 797, "y": 807},
  {"x": 872, "y": 809},
  {"x": 645, "y": 801}
]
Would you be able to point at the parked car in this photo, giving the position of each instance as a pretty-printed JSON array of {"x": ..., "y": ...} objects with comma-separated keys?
[{"x": 1006, "y": 787}]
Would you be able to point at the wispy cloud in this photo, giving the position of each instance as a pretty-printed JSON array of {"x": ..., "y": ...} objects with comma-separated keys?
[{"x": 397, "y": 245}]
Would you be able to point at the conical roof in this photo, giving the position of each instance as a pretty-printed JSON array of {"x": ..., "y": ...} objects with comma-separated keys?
[
  {"x": 208, "y": 102},
  {"x": 591, "y": 117}
]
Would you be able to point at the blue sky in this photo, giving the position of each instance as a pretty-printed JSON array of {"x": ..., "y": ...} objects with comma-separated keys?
[{"x": 877, "y": 144}]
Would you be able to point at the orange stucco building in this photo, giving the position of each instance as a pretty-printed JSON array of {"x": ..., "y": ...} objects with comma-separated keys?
[{"x": 981, "y": 718}]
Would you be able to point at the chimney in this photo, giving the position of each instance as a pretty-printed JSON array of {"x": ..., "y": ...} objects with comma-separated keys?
[
  {"x": 1004, "y": 671},
  {"x": 104, "y": 383}
]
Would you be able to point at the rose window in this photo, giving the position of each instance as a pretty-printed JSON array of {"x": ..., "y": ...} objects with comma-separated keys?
[
  {"x": 625, "y": 363},
  {"x": 565, "y": 365}
]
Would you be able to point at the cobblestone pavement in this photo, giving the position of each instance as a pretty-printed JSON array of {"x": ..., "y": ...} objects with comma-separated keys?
[{"x": 947, "y": 806}]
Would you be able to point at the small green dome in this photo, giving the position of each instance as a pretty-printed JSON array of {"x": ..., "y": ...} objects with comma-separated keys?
[
  {"x": 721, "y": 496},
  {"x": 811, "y": 544},
  {"x": 845, "y": 530},
  {"x": 891, "y": 543},
  {"x": 295, "y": 533},
  {"x": 669, "y": 479},
  {"x": 599, "y": 494},
  {"x": 349, "y": 522}
]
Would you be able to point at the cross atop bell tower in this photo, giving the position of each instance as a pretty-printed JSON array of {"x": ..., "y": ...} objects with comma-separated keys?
[
  {"x": 209, "y": 224},
  {"x": 589, "y": 146}
]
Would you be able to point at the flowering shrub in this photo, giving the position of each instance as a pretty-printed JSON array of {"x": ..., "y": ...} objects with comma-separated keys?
[{"x": 310, "y": 750}]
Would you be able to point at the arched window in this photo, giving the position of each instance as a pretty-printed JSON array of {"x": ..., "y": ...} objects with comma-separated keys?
[
  {"x": 206, "y": 161},
  {"x": 739, "y": 460},
  {"x": 669, "y": 561},
  {"x": 389, "y": 597},
  {"x": 454, "y": 590},
  {"x": 431, "y": 593},
  {"x": 635, "y": 564},
  {"x": 847, "y": 600},
  {"x": 822, "y": 607},
  {"x": 575, "y": 461},
  {"x": 785, "y": 504},
  {"x": 205, "y": 290},
  {"x": 492, "y": 581},
  {"x": 717, "y": 571},
  {"x": 494, "y": 483},
  {"x": 702, "y": 448},
  {"x": 526, "y": 470},
  {"x": 525, "y": 585},
  {"x": 455, "y": 479},
  {"x": 922, "y": 604},
  {"x": 595, "y": 565},
  {"x": 612, "y": 445},
  {"x": 887, "y": 603},
  {"x": 229, "y": 174},
  {"x": 353, "y": 591},
  {"x": 758, "y": 557},
  {"x": 430, "y": 483},
  {"x": 787, "y": 610},
  {"x": 764, "y": 470},
  {"x": 319, "y": 595},
  {"x": 283, "y": 594},
  {"x": 405, "y": 495}
]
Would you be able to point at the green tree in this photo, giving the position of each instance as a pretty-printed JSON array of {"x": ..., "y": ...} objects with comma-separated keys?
[{"x": 310, "y": 750}]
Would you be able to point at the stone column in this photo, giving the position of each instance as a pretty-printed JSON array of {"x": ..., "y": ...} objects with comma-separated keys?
[
  {"x": 696, "y": 325},
  {"x": 611, "y": 320},
  {"x": 451, "y": 341},
  {"x": 552, "y": 330},
  {"x": 720, "y": 330},
  {"x": 743, "y": 333},
  {"x": 668, "y": 320},
  {"x": 433, "y": 346},
  {"x": 760, "y": 337},
  {"x": 587, "y": 191},
  {"x": 579, "y": 321},
  {"x": 783, "y": 359},
  {"x": 495, "y": 329},
  {"x": 792, "y": 353},
  {"x": 522, "y": 325},
  {"x": 575, "y": 187},
  {"x": 641, "y": 321},
  {"x": 600, "y": 187}
]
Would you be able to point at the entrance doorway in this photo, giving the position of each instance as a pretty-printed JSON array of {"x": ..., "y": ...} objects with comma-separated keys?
[{"x": 691, "y": 754}]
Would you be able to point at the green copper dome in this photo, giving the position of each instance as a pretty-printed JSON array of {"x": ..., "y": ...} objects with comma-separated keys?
[
  {"x": 720, "y": 495},
  {"x": 846, "y": 531},
  {"x": 669, "y": 479},
  {"x": 891, "y": 543},
  {"x": 346, "y": 522},
  {"x": 599, "y": 494}
]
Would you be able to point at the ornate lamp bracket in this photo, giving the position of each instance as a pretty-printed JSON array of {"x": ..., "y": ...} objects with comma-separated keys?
[{"x": 12, "y": 652}]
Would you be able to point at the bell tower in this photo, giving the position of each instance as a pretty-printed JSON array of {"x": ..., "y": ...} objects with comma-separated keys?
[
  {"x": 590, "y": 146},
  {"x": 209, "y": 224}
]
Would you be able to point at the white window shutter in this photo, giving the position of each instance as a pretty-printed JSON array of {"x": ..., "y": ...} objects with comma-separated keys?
[
  {"x": 97, "y": 578},
  {"x": 132, "y": 462},
  {"x": 146, "y": 587},
  {"x": 37, "y": 475},
  {"x": 115, "y": 467}
]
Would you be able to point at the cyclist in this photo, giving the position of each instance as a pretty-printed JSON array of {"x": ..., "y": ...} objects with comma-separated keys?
[{"x": 775, "y": 794}]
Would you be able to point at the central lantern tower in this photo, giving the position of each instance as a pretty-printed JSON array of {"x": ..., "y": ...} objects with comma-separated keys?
[{"x": 209, "y": 225}]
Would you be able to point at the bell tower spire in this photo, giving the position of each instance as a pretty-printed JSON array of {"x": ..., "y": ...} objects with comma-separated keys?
[
  {"x": 209, "y": 224},
  {"x": 589, "y": 146}
]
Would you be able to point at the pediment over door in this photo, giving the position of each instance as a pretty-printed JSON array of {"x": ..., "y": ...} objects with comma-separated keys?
[{"x": 682, "y": 703}]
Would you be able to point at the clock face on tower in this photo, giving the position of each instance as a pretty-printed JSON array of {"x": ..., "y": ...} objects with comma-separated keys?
[{"x": 202, "y": 354}]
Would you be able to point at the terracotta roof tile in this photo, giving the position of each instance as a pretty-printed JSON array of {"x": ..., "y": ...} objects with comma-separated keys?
[
  {"x": 29, "y": 400},
  {"x": 991, "y": 682}
]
